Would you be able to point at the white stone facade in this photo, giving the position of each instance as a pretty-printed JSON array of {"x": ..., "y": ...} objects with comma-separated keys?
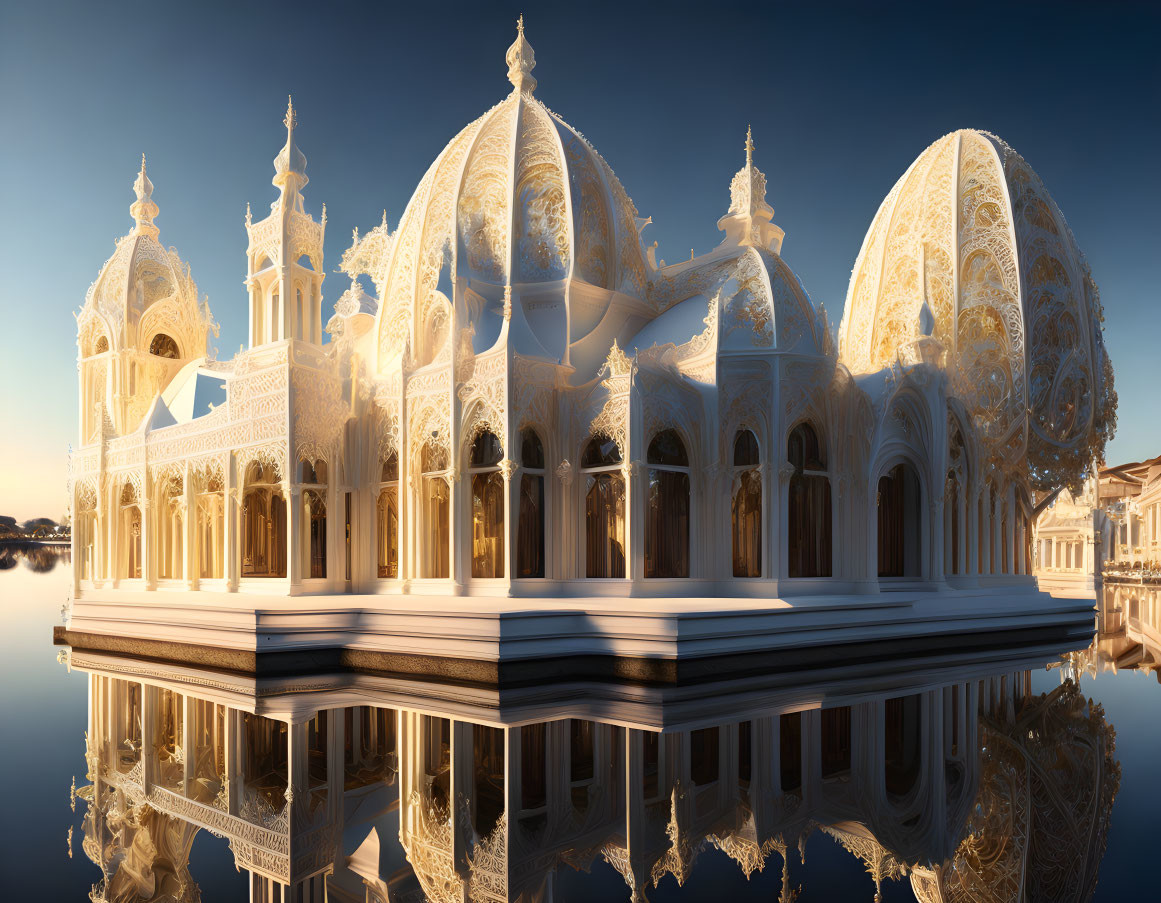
[{"x": 518, "y": 399}]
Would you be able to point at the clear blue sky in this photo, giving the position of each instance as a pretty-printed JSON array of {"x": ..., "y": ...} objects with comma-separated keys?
[{"x": 842, "y": 98}]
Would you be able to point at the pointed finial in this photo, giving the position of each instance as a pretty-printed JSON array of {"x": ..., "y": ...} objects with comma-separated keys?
[
  {"x": 521, "y": 61},
  {"x": 290, "y": 159},
  {"x": 249, "y": 218},
  {"x": 143, "y": 210},
  {"x": 749, "y": 147},
  {"x": 384, "y": 223}
]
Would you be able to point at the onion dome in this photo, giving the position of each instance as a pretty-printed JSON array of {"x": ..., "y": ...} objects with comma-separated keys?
[
  {"x": 971, "y": 231},
  {"x": 143, "y": 290},
  {"x": 518, "y": 200}
]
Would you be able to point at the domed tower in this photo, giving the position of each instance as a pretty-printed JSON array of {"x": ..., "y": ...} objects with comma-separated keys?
[
  {"x": 970, "y": 232},
  {"x": 140, "y": 323},
  {"x": 284, "y": 258}
]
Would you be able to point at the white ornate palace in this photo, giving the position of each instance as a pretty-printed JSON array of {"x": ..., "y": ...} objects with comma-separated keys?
[{"x": 518, "y": 399}]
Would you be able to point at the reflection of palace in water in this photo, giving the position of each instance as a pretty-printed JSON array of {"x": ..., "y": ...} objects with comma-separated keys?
[
  {"x": 350, "y": 789},
  {"x": 1128, "y": 631}
]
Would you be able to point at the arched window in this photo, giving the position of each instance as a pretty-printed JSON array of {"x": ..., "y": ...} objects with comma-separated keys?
[
  {"x": 164, "y": 346},
  {"x": 808, "y": 539},
  {"x": 130, "y": 533},
  {"x": 314, "y": 515},
  {"x": 487, "y": 506},
  {"x": 102, "y": 345},
  {"x": 263, "y": 523},
  {"x": 387, "y": 518},
  {"x": 667, "y": 515},
  {"x": 530, "y": 535},
  {"x": 171, "y": 529},
  {"x": 746, "y": 507},
  {"x": 604, "y": 508},
  {"x": 899, "y": 522},
  {"x": 210, "y": 524},
  {"x": 434, "y": 507},
  {"x": 951, "y": 492}
]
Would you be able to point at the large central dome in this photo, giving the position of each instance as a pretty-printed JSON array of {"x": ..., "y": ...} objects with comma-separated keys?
[{"x": 517, "y": 198}]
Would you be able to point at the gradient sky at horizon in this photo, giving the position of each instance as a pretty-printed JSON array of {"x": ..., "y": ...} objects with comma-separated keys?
[{"x": 842, "y": 97}]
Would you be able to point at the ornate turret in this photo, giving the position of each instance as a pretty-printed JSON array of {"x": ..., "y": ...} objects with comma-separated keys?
[
  {"x": 749, "y": 220},
  {"x": 521, "y": 61},
  {"x": 285, "y": 255}
]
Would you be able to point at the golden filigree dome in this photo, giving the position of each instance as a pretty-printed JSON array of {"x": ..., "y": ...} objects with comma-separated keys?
[
  {"x": 518, "y": 198},
  {"x": 970, "y": 229},
  {"x": 144, "y": 288}
]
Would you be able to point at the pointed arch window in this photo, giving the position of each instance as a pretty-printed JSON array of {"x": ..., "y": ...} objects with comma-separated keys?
[
  {"x": 808, "y": 538},
  {"x": 314, "y": 515},
  {"x": 530, "y": 535},
  {"x": 667, "y": 511},
  {"x": 746, "y": 507},
  {"x": 487, "y": 506},
  {"x": 164, "y": 346},
  {"x": 102, "y": 345},
  {"x": 131, "y": 533},
  {"x": 387, "y": 518},
  {"x": 263, "y": 523},
  {"x": 435, "y": 511},
  {"x": 604, "y": 508},
  {"x": 900, "y": 519}
]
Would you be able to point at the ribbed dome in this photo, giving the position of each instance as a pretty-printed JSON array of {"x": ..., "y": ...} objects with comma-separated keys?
[
  {"x": 518, "y": 198},
  {"x": 971, "y": 230}
]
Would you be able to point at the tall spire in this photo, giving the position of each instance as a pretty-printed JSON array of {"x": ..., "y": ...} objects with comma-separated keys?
[
  {"x": 521, "y": 61},
  {"x": 143, "y": 210},
  {"x": 749, "y": 220},
  {"x": 290, "y": 164}
]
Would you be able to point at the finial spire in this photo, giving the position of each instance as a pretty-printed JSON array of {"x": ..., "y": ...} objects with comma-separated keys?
[
  {"x": 290, "y": 159},
  {"x": 750, "y": 218},
  {"x": 749, "y": 147},
  {"x": 143, "y": 210},
  {"x": 521, "y": 61}
]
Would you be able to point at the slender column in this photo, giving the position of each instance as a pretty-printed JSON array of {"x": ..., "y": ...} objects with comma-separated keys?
[
  {"x": 336, "y": 767},
  {"x": 462, "y": 791},
  {"x": 188, "y": 743},
  {"x": 230, "y": 531},
  {"x": 235, "y": 760},
  {"x": 631, "y": 472},
  {"x": 511, "y": 473},
  {"x": 148, "y": 528},
  {"x": 191, "y": 517},
  {"x": 292, "y": 493},
  {"x": 149, "y": 703}
]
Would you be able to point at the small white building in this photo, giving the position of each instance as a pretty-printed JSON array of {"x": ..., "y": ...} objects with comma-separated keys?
[{"x": 517, "y": 401}]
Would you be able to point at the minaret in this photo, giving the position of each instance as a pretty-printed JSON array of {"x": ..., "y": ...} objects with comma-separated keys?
[
  {"x": 285, "y": 255},
  {"x": 749, "y": 220}
]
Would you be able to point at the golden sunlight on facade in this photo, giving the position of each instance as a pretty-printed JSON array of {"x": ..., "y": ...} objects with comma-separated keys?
[{"x": 565, "y": 445}]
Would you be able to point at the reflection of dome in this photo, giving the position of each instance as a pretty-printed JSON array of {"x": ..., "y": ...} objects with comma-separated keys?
[
  {"x": 971, "y": 229},
  {"x": 517, "y": 198},
  {"x": 1040, "y": 824}
]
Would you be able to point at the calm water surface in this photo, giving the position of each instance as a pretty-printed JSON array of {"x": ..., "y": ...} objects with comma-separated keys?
[{"x": 45, "y": 710}]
